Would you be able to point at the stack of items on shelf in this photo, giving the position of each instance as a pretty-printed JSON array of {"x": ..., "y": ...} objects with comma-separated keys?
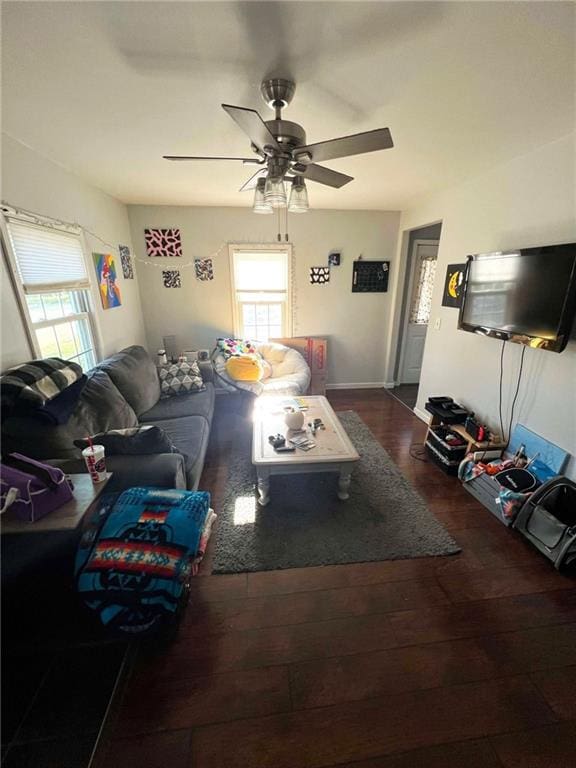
[
  {"x": 453, "y": 433},
  {"x": 503, "y": 485}
]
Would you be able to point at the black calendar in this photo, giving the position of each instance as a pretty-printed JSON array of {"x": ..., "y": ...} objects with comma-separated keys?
[{"x": 370, "y": 276}]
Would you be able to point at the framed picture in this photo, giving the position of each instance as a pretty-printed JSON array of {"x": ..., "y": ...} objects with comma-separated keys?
[
  {"x": 370, "y": 276},
  {"x": 334, "y": 259},
  {"x": 107, "y": 280},
  {"x": 453, "y": 285}
]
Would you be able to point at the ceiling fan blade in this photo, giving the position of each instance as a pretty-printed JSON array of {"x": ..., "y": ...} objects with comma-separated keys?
[
  {"x": 245, "y": 160},
  {"x": 323, "y": 175},
  {"x": 253, "y": 180},
  {"x": 253, "y": 126},
  {"x": 358, "y": 144}
]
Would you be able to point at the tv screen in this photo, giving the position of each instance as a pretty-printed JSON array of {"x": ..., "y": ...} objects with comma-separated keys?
[{"x": 528, "y": 295}]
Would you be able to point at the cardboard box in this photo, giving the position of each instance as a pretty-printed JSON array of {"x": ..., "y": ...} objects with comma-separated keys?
[
  {"x": 317, "y": 384},
  {"x": 314, "y": 351}
]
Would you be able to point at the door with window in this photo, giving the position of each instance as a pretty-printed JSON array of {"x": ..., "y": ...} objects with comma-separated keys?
[
  {"x": 420, "y": 287},
  {"x": 49, "y": 273},
  {"x": 261, "y": 295}
]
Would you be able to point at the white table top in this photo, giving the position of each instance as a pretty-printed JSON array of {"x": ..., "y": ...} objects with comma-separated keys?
[{"x": 332, "y": 443}]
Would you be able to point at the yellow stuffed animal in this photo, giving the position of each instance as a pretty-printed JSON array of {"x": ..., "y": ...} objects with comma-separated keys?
[{"x": 245, "y": 368}]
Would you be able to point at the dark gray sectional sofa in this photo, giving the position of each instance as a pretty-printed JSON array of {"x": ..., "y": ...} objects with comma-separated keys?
[{"x": 123, "y": 391}]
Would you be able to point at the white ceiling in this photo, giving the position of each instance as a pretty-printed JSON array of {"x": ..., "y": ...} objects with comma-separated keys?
[{"x": 107, "y": 88}]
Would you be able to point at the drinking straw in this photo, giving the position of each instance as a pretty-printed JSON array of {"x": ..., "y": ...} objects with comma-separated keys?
[{"x": 90, "y": 443}]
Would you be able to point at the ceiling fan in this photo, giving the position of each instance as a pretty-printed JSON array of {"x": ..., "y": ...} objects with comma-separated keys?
[{"x": 281, "y": 150}]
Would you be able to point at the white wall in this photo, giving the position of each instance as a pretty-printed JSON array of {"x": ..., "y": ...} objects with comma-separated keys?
[
  {"x": 529, "y": 201},
  {"x": 33, "y": 182},
  {"x": 199, "y": 312}
]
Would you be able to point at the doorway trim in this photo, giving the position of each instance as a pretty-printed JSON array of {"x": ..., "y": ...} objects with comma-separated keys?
[
  {"x": 394, "y": 331},
  {"x": 407, "y": 291}
]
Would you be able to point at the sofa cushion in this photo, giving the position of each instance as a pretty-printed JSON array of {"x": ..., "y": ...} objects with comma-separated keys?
[
  {"x": 194, "y": 404},
  {"x": 100, "y": 408},
  {"x": 177, "y": 379},
  {"x": 134, "y": 441},
  {"x": 134, "y": 373},
  {"x": 190, "y": 435}
]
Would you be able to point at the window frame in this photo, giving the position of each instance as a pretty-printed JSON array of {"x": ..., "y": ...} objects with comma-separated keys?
[
  {"x": 20, "y": 294},
  {"x": 234, "y": 248}
]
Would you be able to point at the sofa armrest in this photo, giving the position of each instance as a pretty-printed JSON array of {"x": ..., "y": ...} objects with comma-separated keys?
[{"x": 158, "y": 470}]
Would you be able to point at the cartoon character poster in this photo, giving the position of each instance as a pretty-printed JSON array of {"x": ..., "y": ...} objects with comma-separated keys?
[
  {"x": 107, "y": 280},
  {"x": 453, "y": 285}
]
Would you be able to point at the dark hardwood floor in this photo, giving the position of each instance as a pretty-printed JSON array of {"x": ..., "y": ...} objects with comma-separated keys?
[{"x": 466, "y": 661}]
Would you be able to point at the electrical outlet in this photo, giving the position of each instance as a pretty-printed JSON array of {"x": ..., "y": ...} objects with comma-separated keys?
[{"x": 437, "y": 323}]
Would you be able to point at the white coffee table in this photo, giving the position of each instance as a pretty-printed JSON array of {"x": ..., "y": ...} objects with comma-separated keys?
[{"x": 333, "y": 451}]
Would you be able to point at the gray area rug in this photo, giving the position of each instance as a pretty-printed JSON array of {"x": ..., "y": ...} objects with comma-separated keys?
[{"x": 305, "y": 524}]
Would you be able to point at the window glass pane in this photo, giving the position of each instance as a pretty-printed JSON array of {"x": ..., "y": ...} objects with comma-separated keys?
[
  {"x": 36, "y": 308},
  {"x": 47, "y": 342},
  {"x": 86, "y": 361},
  {"x": 275, "y": 331},
  {"x": 68, "y": 307},
  {"x": 249, "y": 333},
  {"x": 422, "y": 294},
  {"x": 275, "y": 314},
  {"x": 261, "y": 314},
  {"x": 52, "y": 306},
  {"x": 248, "y": 314},
  {"x": 66, "y": 342}
]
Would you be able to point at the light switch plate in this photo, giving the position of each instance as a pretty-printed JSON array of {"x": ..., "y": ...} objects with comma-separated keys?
[{"x": 437, "y": 323}]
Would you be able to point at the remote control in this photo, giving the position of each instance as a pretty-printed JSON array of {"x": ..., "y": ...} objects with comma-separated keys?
[{"x": 285, "y": 449}]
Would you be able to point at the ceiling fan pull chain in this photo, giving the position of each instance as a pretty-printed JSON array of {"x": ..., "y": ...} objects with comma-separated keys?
[
  {"x": 279, "y": 235},
  {"x": 286, "y": 232}
]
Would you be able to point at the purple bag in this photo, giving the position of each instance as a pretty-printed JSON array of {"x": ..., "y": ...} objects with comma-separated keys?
[{"x": 30, "y": 489}]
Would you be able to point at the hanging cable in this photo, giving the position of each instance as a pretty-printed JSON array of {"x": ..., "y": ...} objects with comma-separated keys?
[
  {"x": 516, "y": 395},
  {"x": 503, "y": 436}
]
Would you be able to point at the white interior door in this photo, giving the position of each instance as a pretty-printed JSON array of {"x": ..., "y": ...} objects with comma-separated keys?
[{"x": 422, "y": 274}]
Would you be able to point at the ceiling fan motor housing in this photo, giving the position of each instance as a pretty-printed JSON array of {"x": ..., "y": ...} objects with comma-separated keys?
[
  {"x": 286, "y": 133},
  {"x": 277, "y": 92}
]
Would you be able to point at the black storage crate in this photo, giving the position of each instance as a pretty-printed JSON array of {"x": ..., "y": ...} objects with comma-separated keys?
[
  {"x": 450, "y": 466},
  {"x": 438, "y": 439}
]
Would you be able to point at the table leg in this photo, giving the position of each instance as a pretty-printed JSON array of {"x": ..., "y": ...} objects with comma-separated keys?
[
  {"x": 263, "y": 489},
  {"x": 344, "y": 483}
]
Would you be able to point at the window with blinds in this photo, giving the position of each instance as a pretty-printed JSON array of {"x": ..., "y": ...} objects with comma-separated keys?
[
  {"x": 261, "y": 282},
  {"x": 50, "y": 271},
  {"x": 47, "y": 258}
]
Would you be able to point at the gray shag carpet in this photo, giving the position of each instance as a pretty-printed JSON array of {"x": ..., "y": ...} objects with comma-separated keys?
[{"x": 305, "y": 524}]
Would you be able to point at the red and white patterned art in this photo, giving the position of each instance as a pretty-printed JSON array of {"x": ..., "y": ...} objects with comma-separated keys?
[{"x": 163, "y": 242}]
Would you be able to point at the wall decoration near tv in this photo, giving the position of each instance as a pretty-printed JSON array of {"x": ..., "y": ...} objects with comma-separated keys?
[{"x": 527, "y": 296}]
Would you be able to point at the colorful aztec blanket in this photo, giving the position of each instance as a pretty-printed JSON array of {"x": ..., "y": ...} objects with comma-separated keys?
[{"x": 139, "y": 564}]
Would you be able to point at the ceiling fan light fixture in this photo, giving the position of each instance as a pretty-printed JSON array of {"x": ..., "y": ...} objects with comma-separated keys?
[
  {"x": 275, "y": 192},
  {"x": 298, "y": 202},
  {"x": 260, "y": 204}
]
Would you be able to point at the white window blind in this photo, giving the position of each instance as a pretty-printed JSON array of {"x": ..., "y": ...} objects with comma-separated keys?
[
  {"x": 261, "y": 271},
  {"x": 47, "y": 259}
]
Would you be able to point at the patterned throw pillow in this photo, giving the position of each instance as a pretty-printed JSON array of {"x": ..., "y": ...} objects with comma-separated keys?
[
  {"x": 180, "y": 379},
  {"x": 132, "y": 441},
  {"x": 234, "y": 347}
]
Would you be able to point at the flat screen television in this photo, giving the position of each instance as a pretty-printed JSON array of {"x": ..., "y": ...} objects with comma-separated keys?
[{"x": 527, "y": 296}]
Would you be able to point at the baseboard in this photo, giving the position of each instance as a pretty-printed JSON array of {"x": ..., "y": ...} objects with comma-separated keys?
[
  {"x": 423, "y": 415},
  {"x": 357, "y": 385},
  {"x": 389, "y": 385}
]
